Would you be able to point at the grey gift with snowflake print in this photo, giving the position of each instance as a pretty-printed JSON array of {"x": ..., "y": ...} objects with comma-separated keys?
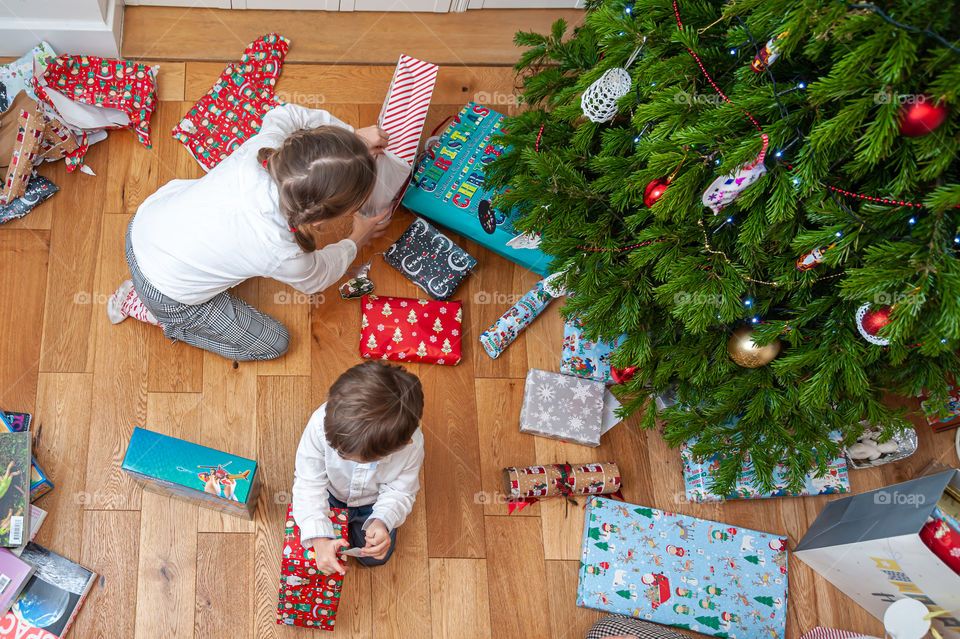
[
  {"x": 562, "y": 407},
  {"x": 430, "y": 259}
]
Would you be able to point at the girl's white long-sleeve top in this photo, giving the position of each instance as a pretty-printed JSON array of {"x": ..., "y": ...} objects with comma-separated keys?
[
  {"x": 194, "y": 239},
  {"x": 390, "y": 484}
]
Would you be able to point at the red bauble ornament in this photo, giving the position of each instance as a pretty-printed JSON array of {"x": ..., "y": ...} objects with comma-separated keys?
[
  {"x": 655, "y": 190},
  {"x": 622, "y": 375},
  {"x": 874, "y": 320},
  {"x": 922, "y": 117},
  {"x": 871, "y": 320}
]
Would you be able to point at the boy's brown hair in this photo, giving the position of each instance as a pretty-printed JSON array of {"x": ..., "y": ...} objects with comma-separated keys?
[{"x": 372, "y": 411}]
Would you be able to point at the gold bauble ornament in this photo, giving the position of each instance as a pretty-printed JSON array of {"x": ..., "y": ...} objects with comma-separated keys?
[{"x": 744, "y": 352}]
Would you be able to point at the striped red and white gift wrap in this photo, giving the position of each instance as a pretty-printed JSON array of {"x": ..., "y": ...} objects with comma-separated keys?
[{"x": 405, "y": 109}]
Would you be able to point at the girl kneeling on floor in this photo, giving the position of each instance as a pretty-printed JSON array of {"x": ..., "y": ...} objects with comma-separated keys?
[{"x": 257, "y": 213}]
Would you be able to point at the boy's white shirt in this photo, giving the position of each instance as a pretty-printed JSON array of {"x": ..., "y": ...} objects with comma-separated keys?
[
  {"x": 390, "y": 484},
  {"x": 194, "y": 239}
]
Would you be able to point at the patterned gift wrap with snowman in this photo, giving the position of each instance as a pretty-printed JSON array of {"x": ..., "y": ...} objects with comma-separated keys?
[
  {"x": 430, "y": 259},
  {"x": 584, "y": 357},
  {"x": 402, "y": 329},
  {"x": 697, "y": 476},
  {"x": 682, "y": 571},
  {"x": 562, "y": 407},
  {"x": 308, "y": 598}
]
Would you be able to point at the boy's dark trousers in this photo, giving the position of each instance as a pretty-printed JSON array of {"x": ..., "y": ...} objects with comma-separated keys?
[{"x": 356, "y": 517}]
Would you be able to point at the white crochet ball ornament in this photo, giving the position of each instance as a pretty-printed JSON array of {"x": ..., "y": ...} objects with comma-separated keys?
[{"x": 599, "y": 101}]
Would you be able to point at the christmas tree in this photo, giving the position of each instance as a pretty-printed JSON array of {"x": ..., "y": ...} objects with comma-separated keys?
[{"x": 770, "y": 183}]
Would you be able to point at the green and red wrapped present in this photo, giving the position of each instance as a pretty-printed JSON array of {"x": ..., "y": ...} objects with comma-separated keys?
[
  {"x": 402, "y": 329},
  {"x": 307, "y": 597}
]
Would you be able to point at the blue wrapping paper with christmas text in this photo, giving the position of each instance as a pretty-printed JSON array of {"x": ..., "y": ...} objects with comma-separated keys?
[
  {"x": 448, "y": 187},
  {"x": 583, "y": 357},
  {"x": 682, "y": 571}
]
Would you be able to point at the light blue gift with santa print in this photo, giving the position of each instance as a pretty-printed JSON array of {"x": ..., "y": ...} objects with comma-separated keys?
[{"x": 681, "y": 571}]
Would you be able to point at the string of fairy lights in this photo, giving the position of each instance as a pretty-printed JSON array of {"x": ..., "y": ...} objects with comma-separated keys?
[{"x": 778, "y": 154}]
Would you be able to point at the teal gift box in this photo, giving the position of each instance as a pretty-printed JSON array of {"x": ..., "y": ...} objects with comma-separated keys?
[
  {"x": 448, "y": 188},
  {"x": 207, "y": 476}
]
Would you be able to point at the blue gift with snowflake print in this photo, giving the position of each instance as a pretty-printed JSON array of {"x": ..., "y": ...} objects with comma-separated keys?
[
  {"x": 562, "y": 407},
  {"x": 682, "y": 571},
  {"x": 584, "y": 357}
]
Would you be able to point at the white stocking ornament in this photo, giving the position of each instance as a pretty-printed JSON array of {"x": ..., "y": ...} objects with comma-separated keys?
[
  {"x": 599, "y": 101},
  {"x": 726, "y": 188}
]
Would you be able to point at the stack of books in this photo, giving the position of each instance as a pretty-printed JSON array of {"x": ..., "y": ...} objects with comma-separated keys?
[{"x": 40, "y": 591}]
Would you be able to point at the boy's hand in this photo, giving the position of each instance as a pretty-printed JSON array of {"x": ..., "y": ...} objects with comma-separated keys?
[
  {"x": 378, "y": 540},
  {"x": 375, "y": 138},
  {"x": 325, "y": 551}
]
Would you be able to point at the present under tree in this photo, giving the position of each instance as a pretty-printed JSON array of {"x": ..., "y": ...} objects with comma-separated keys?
[{"x": 765, "y": 196}]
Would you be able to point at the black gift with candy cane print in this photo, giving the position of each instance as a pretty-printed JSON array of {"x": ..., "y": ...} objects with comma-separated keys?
[{"x": 430, "y": 259}]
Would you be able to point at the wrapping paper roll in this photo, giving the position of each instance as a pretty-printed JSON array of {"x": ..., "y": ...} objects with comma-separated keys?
[
  {"x": 496, "y": 338},
  {"x": 561, "y": 479}
]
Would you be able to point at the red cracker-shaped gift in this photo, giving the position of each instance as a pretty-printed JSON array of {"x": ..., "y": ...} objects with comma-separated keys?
[
  {"x": 308, "y": 598},
  {"x": 408, "y": 330}
]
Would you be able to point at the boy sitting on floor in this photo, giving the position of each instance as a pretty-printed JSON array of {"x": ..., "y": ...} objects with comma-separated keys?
[{"x": 362, "y": 451}]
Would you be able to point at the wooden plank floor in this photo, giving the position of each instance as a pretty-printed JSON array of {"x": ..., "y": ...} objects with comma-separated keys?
[{"x": 463, "y": 566}]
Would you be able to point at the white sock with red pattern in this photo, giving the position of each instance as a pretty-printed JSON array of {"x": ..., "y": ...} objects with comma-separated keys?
[{"x": 125, "y": 303}]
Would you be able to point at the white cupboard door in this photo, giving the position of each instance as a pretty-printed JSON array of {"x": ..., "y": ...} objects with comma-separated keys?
[
  {"x": 522, "y": 4},
  {"x": 433, "y": 6},
  {"x": 321, "y": 5},
  {"x": 211, "y": 4}
]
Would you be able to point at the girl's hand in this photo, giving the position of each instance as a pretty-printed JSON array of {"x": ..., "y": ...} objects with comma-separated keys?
[
  {"x": 368, "y": 228},
  {"x": 325, "y": 554},
  {"x": 375, "y": 137}
]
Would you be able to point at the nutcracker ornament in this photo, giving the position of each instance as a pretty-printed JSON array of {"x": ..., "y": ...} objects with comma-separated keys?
[
  {"x": 812, "y": 259},
  {"x": 768, "y": 54},
  {"x": 744, "y": 352}
]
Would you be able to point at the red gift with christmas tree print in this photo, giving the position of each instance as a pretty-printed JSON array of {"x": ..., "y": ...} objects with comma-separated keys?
[
  {"x": 307, "y": 597},
  {"x": 408, "y": 330}
]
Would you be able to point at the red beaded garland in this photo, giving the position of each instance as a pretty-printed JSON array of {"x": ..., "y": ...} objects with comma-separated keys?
[{"x": 676, "y": 12}]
